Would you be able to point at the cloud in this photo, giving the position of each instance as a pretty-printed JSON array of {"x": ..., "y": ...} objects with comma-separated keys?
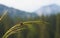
[{"x": 28, "y": 5}]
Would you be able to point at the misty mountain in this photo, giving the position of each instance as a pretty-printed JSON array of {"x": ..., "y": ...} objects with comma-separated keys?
[
  {"x": 12, "y": 12},
  {"x": 49, "y": 9}
]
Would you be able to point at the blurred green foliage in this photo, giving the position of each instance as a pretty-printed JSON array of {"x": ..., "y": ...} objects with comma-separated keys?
[{"x": 47, "y": 27}]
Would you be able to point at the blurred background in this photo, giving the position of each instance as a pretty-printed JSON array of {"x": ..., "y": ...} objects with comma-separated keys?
[{"x": 40, "y": 18}]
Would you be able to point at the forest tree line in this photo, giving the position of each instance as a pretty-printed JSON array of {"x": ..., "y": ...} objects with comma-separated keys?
[{"x": 51, "y": 29}]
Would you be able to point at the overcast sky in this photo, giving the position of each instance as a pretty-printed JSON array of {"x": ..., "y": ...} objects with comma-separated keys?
[{"x": 28, "y": 5}]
